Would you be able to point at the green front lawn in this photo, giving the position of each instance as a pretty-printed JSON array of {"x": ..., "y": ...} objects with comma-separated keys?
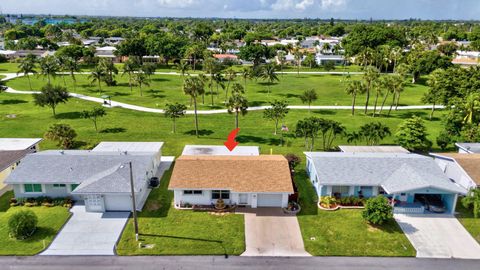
[
  {"x": 344, "y": 232},
  {"x": 167, "y": 231},
  {"x": 50, "y": 221},
  {"x": 465, "y": 216},
  {"x": 168, "y": 89}
]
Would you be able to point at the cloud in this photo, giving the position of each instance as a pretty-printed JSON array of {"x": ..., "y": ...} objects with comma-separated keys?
[{"x": 326, "y": 4}]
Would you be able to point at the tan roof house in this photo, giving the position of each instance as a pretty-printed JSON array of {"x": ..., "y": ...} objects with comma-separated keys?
[{"x": 256, "y": 181}]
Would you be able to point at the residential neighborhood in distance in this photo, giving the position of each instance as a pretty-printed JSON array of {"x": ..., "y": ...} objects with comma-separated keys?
[{"x": 240, "y": 134}]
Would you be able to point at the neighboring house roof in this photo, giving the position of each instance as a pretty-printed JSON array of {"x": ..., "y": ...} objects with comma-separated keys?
[
  {"x": 224, "y": 56},
  {"x": 373, "y": 149},
  {"x": 266, "y": 173},
  {"x": 469, "y": 147},
  {"x": 9, "y": 144},
  {"x": 469, "y": 162},
  {"x": 78, "y": 166},
  {"x": 217, "y": 150},
  {"x": 128, "y": 147},
  {"x": 395, "y": 172},
  {"x": 7, "y": 158}
]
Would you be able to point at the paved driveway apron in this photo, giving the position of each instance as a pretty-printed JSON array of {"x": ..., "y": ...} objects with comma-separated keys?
[
  {"x": 88, "y": 233},
  {"x": 268, "y": 232},
  {"x": 438, "y": 236}
]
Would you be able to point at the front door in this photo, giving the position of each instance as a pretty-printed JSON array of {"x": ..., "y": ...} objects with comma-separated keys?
[{"x": 243, "y": 198}]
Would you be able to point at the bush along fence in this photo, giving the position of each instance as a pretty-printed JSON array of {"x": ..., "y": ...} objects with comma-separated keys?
[{"x": 41, "y": 201}]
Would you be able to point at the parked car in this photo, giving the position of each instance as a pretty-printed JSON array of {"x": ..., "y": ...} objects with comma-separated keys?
[{"x": 432, "y": 203}]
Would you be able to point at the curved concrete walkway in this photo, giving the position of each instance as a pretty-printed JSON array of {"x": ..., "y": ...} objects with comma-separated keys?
[{"x": 10, "y": 76}]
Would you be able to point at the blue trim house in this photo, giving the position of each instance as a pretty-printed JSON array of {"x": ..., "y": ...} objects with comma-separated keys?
[{"x": 396, "y": 175}]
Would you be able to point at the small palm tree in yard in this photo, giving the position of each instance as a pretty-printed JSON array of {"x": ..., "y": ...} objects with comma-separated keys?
[
  {"x": 94, "y": 114},
  {"x": 129, "y": 68},
  {"x": 194, "y": 87},
  {"x": 175, "y": 111},
  {"x": 27, "y": 66},
  {"x": 237, "y": 103},
  {"x": 472, "y": 200},
  {"x": 63, "y": 134},
  {"x": 269, "y": 74},
  {"x": 308, "y": 97},
  {"x": 96, "y": 76},
  {"x": 277, "y": 112},
  {"x": 354, "y": 88},
  {"x": 230, "y": 75},
  {"x": 182, "y": 67},
  {"x": 140, "y": 79},
  {"x": 49, "y": 66}
]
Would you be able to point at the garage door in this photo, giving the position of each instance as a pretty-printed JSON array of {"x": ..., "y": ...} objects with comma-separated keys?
[
  {"x": 118, "y": 203},
  {"x": 269, "y": 200}
]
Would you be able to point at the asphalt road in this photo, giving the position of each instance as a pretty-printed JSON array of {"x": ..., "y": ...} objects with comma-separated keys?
[{"x": 209, "y": 262}]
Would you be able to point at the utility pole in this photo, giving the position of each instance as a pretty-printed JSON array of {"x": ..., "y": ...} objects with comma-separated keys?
[{"x": 134, "y": 207}]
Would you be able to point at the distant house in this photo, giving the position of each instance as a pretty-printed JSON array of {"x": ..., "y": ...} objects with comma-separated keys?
[
  {"x": 468, "y": 148},
  {"x": 108, "y": 52},
  {"x": 9, "y": 54},
  {"x": 373, "y": 149},
  {"x": 225, "y": 57},
  {"x": 37, "y": 53},
  {"x": 467, "y": 58},
  {"x": 402, "y": 177},
  {"x": 12, "y": 151},
  {"x": 202, "y": 175},
  {"x": 100, "y": 177},
  {"x": 338, "y": 60},
  {"x": 463, "y": 169}
]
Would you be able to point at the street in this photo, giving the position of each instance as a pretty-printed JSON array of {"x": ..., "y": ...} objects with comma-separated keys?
[{"x": 220, "y": 262}]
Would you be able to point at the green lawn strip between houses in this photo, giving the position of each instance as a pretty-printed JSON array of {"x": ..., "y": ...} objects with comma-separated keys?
[
  {"x": 167, "y": 231},
  {"x": 165, "y": 89},
  {"x": 465, "y": 216},
  {"x": 50, "y": 221}
]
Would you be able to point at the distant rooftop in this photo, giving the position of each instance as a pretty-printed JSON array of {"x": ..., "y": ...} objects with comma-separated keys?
[
  {"x": 128, "y": 147},
  {"x": 217, "y": 150},
  {"x": 11, "y": 144},
  {"x": 469, "y": 147},
  {"x": 373, "y": 149}
]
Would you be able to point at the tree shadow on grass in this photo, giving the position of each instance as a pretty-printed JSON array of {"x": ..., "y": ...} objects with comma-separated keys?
[
  {"x": 256, "y": 103},
  {"x": 405, "y": 115},
  {"x": 78, "y": 144},
  {"x": 122, "y": 94},
  {"x": 201, "y": 132},
  {"x": 114, "y": 130},
  {"x": 256, "y": 139},
  {"x": 155, "y": 93},
  {"x": 160, "y": 80},
  {"x": 325, "y": 112},
  {"x": 69, "y": 115},
  {"x": 289, "y": 95},
  {"x": 13, "y": 101}
]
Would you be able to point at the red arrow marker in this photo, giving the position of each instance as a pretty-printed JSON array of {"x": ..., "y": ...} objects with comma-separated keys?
[{"x": 231, "y": 143}]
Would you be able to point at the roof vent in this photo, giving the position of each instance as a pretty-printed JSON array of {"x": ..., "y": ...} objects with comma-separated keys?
[
  {"x": 125, "y": 153},
  {"x": 71, "y": 169}
]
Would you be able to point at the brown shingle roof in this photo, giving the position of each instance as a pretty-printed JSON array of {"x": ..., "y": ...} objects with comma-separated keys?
[
  {"x": 264, "y": 173},
  {"x": 469, "y": 162},
  {"x": 7, "y": 158}
]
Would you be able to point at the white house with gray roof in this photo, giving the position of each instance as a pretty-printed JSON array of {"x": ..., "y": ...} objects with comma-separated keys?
[
  {"x": 99, "y": 178},
  {"x": 401, "y": 176}
]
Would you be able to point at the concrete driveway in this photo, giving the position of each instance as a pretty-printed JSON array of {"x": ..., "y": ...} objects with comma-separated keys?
[
  {"x": 88, "y": 233},
  {"x": 269, "y": 232},
  {"x": 438, "y": 236}
]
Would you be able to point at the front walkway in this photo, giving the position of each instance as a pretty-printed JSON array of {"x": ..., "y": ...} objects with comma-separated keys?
[
  {"x": 438, "y": 236},
  {"x": 269, "y": 232},
  {"x": 88, "y": 233}
]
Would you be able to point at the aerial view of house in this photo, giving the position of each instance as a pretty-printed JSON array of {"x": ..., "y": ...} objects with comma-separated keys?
[
  {"x": 100, "y": 177},
  {"x": 402, "y": 177}
]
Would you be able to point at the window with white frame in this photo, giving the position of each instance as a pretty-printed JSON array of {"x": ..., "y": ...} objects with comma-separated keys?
[
  {"x": 192, "y": 192},
  {"x": 340, "y": 189},
  {"x": 220, "y": 194},
  {"x": 32, "y": 188}
]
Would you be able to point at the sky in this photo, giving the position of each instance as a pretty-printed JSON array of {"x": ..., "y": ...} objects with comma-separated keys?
[{"x": 283, "y": 9}]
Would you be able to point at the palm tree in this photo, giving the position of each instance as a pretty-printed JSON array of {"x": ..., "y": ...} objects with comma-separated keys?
[
  {"x": 281, "y": 58},
  {"x": 175, "y": 111},
  {"x": 97, "y": 75},
  {"x": 230, "y": 75},
  {"x": 49, "y": 67},
  {"x": 71, "y": 66},
  {"x": 210, "y": 66},
  {"x": 140, "y": 78},
  {"x": 109, "y": 69},
  {"x": 325, "y": 48},
  {"x": 182, "y": 67},
  {"x": 237, "y": 103},
  {"x": 472, "y": 107},
  {"x": 354, "y": 88},
  {"x": 269, "y": 74},
  {"x": 378, "y": 87},
  {"x": 129, "y": 68},
  {"x": 309, "y": 96},
  {"x": 433, "y": 94},
  {"x": 192, "y": 52},
  {"x": 194, "y": 87},
  {"x": 298, "y": 56},
  {"x": 246, "y": 74},
  {"x": 395, "y": 55},
  {"x": 27, "y": 66},
  {"x": 369, "y": 76},
  {"x": 398, "y": 84},
  {"x": 388, "y": 83}
]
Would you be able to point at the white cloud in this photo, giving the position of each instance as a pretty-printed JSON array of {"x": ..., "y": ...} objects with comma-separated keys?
[
  {"x": 326, "y": 4},
  {"x": 177, "y": 3},
  {"x": 298, "y": 5}
]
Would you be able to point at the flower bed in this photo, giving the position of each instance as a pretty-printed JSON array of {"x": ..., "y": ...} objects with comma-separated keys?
[
  {"x": 330, "y": 203},
  {"x": 41, "y": 201},
  {"x": 293, "y": 208}
]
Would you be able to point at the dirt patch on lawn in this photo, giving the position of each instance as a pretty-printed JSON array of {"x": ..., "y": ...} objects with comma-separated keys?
[
  {"x": 372, "y": 228},
  {"x": 153, "y": 206}
]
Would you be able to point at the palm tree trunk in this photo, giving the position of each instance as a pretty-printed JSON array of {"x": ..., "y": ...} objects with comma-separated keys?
[
  {"x": 174, "y": 127},
  {"x": 141, "y": 91},
  {"x": 398, "y": 100},
  {"x": 354, "y": 97},
  {"x": 383, "y": 102},
  {"x": 29, "y": 82},
  {"x": 433, "y": 110},
  {"x": 99, "y": 86},
  {"x": 391, "y": 105},
  {"x": 130, "y": 81},
  {"x": 211, "y": 87},
  {"x": 236, "y": 118},
  {"x": 276, "y": 127},
  {"x": 367, "y": 100},
  {"x": 196, "y": 116},
  {"x": 375, "y": 106}
]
